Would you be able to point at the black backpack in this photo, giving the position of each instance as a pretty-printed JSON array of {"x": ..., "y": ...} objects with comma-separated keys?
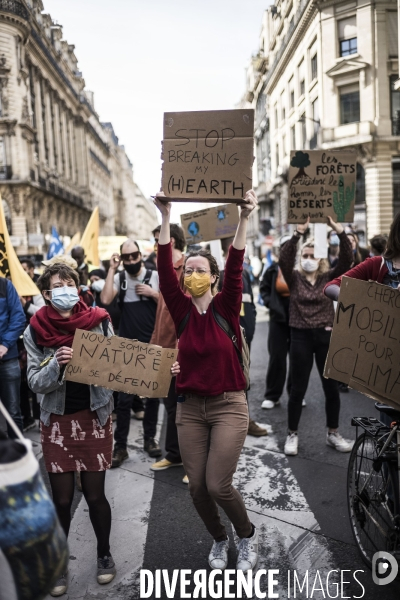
[{"x": 243, "y": 356}]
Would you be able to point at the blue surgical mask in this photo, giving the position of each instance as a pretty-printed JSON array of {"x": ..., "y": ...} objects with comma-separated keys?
[
  {"x": 64, "y": 298},
  {"x": 334, "y": 240}
]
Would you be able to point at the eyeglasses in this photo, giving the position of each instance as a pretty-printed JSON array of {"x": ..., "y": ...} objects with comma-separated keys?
[
  {"x": 188, "y": 272},
  {"x": 130, "y": 256}
]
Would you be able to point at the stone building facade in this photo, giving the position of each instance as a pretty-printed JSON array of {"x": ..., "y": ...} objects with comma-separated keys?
[
  {"x": 324, "y": 77},
  {"x": 57, "y": 160}
]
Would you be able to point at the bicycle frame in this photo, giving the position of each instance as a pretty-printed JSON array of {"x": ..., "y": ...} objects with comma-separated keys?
[{"x": 386, "y": 444}]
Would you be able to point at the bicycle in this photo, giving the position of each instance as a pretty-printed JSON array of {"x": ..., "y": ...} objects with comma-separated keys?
[{"x": 373, "y": 485}]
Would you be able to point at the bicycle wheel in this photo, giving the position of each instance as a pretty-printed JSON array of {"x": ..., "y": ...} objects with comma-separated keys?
[{"x": 372, "y": 499}]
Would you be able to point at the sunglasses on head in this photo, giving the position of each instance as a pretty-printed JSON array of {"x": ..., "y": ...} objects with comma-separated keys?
[{"x": 130, "y": 256}]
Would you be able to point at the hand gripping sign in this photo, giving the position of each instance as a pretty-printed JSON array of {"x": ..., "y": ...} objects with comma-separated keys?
[
  {"x": 208, "y": 155},
  {"x": 120, "y": 364}
]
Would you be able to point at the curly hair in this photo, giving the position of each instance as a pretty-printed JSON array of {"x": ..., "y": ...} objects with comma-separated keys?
[
  {"x": 213, "y": 266},
  {"x": 64, "y": 272},
  {"x": 323, "y": 266}
]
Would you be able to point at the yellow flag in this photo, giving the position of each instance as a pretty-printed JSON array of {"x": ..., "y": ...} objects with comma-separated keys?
[
  {"x": 75, "y": 241},
  {"x": 9, "y": 263},
  {"x": 90, "y": 239}
]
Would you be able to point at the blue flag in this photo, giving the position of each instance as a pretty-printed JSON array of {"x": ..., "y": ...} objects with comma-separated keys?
[{"x": 56, "y": 247}]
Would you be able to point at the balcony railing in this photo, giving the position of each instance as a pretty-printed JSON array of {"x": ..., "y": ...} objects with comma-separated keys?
[
  {"x": 5, "y": 172},
  {"x": 14, "y": 7}
]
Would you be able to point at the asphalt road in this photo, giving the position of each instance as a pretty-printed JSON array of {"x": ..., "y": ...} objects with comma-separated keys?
[{"x": 298, "y": 504}]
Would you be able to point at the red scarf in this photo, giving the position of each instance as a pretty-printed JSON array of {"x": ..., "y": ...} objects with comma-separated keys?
[{"x": 52, "y": 330}]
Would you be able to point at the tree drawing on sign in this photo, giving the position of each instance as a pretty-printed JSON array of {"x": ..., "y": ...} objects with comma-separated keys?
[
  {"x": 221, "y": 215},
  {"x": 342, "y": 199},
  {"x": 300, "y": 160}
]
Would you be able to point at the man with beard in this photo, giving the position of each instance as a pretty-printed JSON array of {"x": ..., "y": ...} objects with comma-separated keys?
[{"x": 138, "y": 290}]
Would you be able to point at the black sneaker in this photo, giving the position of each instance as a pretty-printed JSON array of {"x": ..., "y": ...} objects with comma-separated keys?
[
  {"x": 152, "y": 448},
  {"x": 119, "y": 455},
  {"x": 105, "y": 569},
  {"x": 29, "y": 424}
]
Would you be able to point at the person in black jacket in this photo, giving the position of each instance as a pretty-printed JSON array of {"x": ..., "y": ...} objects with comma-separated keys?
[{"x": 276, "y": 297}]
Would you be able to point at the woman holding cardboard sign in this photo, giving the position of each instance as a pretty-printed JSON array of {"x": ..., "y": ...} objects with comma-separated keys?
[
  {"x": 310, "y": 321},
  {"x": 76, "y": 427},
  {"x": 212, "y": 415}
]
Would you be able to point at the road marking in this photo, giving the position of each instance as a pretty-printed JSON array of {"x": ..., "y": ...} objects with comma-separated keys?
[{"x": 287, "y": 527}]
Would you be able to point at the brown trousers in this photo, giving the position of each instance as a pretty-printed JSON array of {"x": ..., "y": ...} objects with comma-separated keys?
[{"x": 211, "y": 432}]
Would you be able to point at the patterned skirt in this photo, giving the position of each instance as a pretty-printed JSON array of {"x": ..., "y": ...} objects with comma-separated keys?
[{"x": 77, "y": 442}]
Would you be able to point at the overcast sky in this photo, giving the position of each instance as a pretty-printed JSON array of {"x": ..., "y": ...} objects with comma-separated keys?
[{"x": 144, "y": 57}]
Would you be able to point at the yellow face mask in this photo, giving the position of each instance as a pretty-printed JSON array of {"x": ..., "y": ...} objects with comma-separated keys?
[{"x": 197, "y": 284}]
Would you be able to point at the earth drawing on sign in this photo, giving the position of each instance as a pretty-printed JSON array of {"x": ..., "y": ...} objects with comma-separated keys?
[{"x": 193, "y": 228}]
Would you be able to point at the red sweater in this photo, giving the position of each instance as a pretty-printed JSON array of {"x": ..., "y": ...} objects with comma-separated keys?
[
  {"x": 373, "y": 269},
  {"x": 208, "y": 359}
]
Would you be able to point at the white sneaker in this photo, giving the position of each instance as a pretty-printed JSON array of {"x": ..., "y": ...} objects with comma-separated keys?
[
  {"x": 218, "y": 557},
  {"x": 248, "y": 552},
  {"x": 338, "y": 442},
  {"x": 270, "y": 404},
  {"x": 291, "y": 444}
]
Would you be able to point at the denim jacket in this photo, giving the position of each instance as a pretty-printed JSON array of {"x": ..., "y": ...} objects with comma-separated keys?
[{"x": 49, "y": 381}]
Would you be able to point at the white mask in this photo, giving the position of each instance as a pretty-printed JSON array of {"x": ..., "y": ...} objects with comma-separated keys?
[
  {"x": 97, "y": 286},
  {"x": 309, "y": 265}
]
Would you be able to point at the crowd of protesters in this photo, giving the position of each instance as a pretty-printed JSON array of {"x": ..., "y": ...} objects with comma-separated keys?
[{"x": 168, "y": 299}]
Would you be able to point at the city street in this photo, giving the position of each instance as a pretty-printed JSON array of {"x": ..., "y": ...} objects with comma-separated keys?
[{"x": 298, "y": 504}]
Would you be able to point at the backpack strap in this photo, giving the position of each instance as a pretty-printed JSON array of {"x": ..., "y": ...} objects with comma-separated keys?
[
  {"x": 146, "y": 280},
  {"x": 123, "y": 285},
  {"x": 3, "y": 287},
  {"x": 34, "y": 338},
  {"x": 183, "y": 323},
  {"x": 147, "y": 277},
  {"x": 104, "y": 325},
  {"x": 223, "y": 323}
]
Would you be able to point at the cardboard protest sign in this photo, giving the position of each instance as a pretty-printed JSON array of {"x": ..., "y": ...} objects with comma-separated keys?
[
  {"x": 208, "y": 224},
  {"x": 321, "y": 183},
  {"x": 208, "y": 155},
  {"x": 120, "y": 364},
  {"x": 365, "y": 345}
]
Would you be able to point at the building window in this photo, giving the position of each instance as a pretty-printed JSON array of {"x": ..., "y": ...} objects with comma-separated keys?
[
  {"x": 396, "y": 184},
  {"x": 349, "y": 104},
  {"x": 291, "y": 93},
  {"x": 314, "y": 67},
  {"x": 302, "y": 78},
  {"x": 315, "y": 114},
  {"x": 293, "y": 138},
  {"x": 316, "y": 124},
  {"x": 392, "y": 34},
  {"x": 283, "y": 113},
  {"x": 303, "y": 130},
  {"x": 277, "y": 156},
  {"x": 44, "y": 122},
  {"x": 7, "y": 216},
  {"x": 394, "y": 106},
  {"x": 284, "y": 146},
  {"x": 276, "y": 116},
  {"x": 347, "y": 30}
]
